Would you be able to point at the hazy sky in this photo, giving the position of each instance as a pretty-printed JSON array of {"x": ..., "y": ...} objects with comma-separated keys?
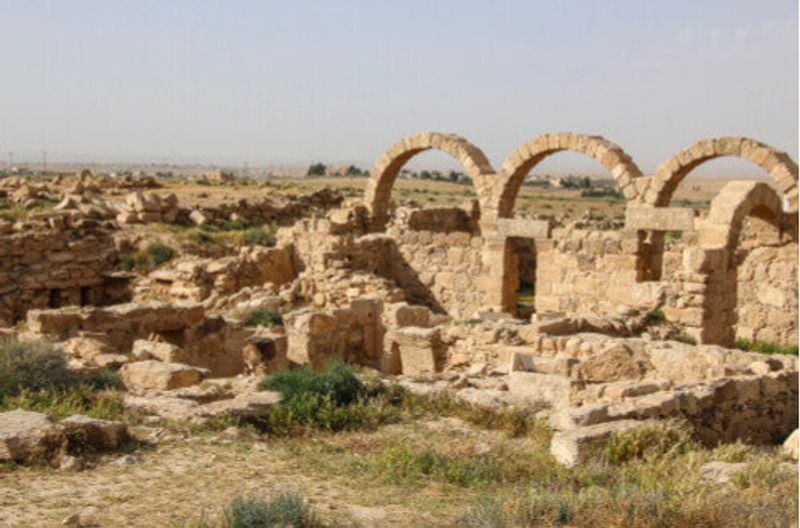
[{"x": 340, "y": 81}]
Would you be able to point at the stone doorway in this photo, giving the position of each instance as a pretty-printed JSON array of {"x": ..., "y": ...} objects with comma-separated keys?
[{"x": 521, "y": 276}]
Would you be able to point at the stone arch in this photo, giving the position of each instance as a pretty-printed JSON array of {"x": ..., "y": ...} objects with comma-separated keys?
[
  {"x": 384, "y": 172},
  {"x": 736, "y": 201},
  {"x": 779, "y": 165},
  {"x": 710, "y": 267},
  {"x": 520, "y": 162}
]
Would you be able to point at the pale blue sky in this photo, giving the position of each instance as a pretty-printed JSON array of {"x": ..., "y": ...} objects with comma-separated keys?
[{"x": 340, "y": 81}]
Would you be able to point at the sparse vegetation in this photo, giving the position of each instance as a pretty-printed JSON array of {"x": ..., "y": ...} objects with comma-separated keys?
[
  {"x": 252, "y": 511},
  {"x": 338, "y": 381},
  {"x": 257, "y": 236},
  {"x": 159, "y": 253},
  {"x": 263, "y": 317},
  {"x": 765, "y": 347},
  {"x": 654, "y": 317},
  {"x": 33, "y": 366}
]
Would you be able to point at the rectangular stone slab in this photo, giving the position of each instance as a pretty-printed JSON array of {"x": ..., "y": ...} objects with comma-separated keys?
[
  {"x": 659, "y": 218},
  {"x": 520, "y": 227}
]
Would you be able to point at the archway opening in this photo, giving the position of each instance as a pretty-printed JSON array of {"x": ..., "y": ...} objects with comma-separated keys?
[
  {"x": 472, "y": 168},
  {"x": 572, "y": 191},
  {"x": 696, "y": 191}
]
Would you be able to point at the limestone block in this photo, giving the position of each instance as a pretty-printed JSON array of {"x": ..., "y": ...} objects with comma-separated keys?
[
  {"x": 96, "y": 433},
  {"x": 166, "y": 352},
  {"x": 403, "y": 314},
  {"x": 25, "y": 435},
  {"x": 547, "y": 388},
  {"x": 614, "y": 363},
  {"x": 421, "y": 350},
  {"x": 574, "y": 446},
  {"x": 659, "y": 218},
  {"x": 790, "y": 446},
  {"x": 521, "y": 362},
  {"x": 155, "y": 375},
  {"x": 252, "y": 405},
  {"x": 571, "y": 417},
  {"x": 85, "y": 347}
]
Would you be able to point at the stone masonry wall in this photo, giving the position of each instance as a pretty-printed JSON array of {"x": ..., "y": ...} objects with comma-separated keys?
[
  {"x": 767, "y": 294},
  {"x": 54, "y": 265},
  {"x": 583, "y": 272},
  {"x": 447, "y": 263}
]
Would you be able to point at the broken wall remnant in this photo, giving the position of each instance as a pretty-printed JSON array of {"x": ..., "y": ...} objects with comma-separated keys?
[
  {"x": 210, "y": 341},
  {"x": 55, "y": 262},
  {"x": 197, "y": 279},
  {"x": 353, "y": 334}
]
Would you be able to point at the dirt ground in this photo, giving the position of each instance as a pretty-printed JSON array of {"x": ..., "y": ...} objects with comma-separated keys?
[{"x": 182, "y": 479}]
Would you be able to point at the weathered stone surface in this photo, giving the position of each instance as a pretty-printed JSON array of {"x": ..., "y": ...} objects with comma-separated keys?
[
  {"x": 96, "y": 433},
  {"x": 615, "y": 363},
  {"x": 246, "y": 406},
  {"x": 571, "y": 417},
  {"x": 659, "y": 218},
  {"x": 166, "y": 352},
  {"x": 155, "y": 375},
  {"x": 574, "y": 446},
  {"x": 26, "y": 435},
  {"x": 420, "y": 350},
  {"x": 163, "y": 406},
  {"x": 545, "y": 365},
  {"x": 548, "y": 388},
  {"x": 85, "y": 347},
  {"x": 721, "y": 472},
  {"x": 790, "y": 445}
]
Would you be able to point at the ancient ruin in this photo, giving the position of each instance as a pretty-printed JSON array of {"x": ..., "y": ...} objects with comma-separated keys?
[{"x": 631, "y": 323}]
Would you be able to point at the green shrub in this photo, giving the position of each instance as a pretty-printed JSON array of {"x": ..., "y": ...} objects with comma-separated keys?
[
  {"x": 684, "y": 338},
  {"x": 653, "y": 317},
  {"x": 126, "y": 263},
  {"x": 333, "y": 399},
  {"x": 647, "y": 443},
  {"x": 234, "y": 225},
  {"x": 764, "y": 347},
  {"x": 338, "y": 381},
  {"x": 33, "y": 366},
  {"x": 286, "y": 510},
  {"x": 67, "y": 401},
  {"x": 257, "y": 236},
  {"x": 264, "y": 317},
  {"x": 159, "y": 253}
]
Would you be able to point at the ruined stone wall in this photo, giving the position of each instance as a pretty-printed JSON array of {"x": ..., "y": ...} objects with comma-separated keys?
[
  {"x": 210, "y": 341},
  {"x": 197, "y": 279},
  {"x": 440, "y": 250},
  {"x": 54, "y": 264},
  {"x": 353, "y": 334},
  {"x": 766, "y": 294},
  {"x": 584, "y": 272}
]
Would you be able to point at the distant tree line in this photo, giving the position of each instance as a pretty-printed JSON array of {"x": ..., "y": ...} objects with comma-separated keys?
[{"x": 320, "y": 169}]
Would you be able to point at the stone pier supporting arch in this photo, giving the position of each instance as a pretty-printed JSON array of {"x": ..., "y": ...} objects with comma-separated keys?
[{"x": 710, "y": 267}]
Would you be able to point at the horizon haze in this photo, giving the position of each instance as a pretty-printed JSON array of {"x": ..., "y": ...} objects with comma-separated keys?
[{"x": 272, "y": 83}]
